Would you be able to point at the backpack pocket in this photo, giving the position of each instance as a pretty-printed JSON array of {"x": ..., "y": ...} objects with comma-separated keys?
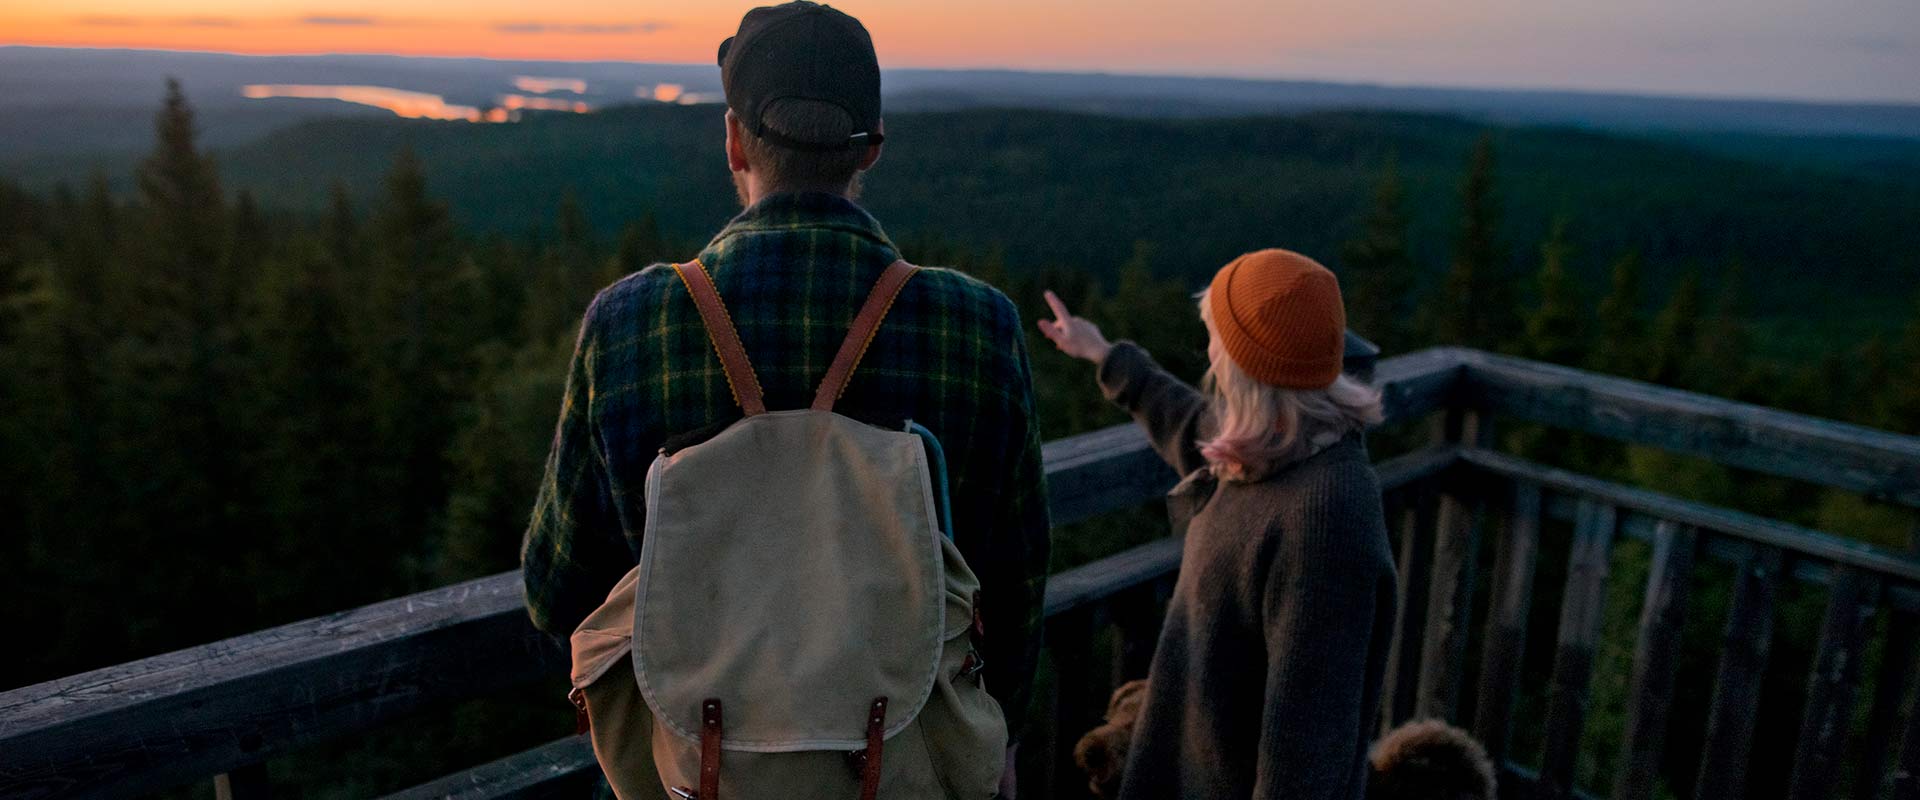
[
  {"x": 620, "y": 724},
  {"x": 964, "y": 729}
]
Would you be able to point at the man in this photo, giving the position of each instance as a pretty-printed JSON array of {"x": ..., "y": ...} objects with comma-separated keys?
[{"x": 803, "y": 122}]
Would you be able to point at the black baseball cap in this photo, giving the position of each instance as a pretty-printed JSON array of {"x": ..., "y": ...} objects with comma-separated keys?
[{"x": 803, "y": 51}]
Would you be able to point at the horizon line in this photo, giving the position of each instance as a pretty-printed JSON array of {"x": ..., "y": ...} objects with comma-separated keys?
[{"x": 1197, "y": 76}]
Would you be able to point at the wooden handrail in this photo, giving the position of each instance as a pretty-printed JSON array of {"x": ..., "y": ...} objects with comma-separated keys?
[
  {"x": 1875, "y": 463},
  {"x": 172, "y": 718}
]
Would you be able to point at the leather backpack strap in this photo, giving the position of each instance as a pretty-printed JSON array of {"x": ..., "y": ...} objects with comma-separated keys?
[
  {"x": 865, "y": 325},
  {"x": 876, "y": 741},
  {"x": 710, "y": 733},
  {"x": 726, "y": 340}
]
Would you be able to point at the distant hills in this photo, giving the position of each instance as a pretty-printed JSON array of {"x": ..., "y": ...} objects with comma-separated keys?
[
  {"x": 1076, "y": 170},
  {"x": 66, "y": 102},
  {"x": 1048, "y": 188}
]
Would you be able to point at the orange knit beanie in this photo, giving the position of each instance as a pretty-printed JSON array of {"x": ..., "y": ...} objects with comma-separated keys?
[{"x": 1278, "y": 315}]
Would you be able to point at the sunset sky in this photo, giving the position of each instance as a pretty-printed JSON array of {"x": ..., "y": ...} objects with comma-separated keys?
[{"x": 1852, "y": 50}]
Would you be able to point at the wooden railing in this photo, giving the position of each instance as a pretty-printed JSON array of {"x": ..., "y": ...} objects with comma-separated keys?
[{"x": 226, "y": 708}]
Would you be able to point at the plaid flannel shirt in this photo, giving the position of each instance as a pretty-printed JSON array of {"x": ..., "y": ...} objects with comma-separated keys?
[{"x": 793, "y": 270}]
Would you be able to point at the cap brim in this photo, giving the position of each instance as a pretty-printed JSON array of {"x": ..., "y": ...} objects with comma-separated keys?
[{"x": 724, "y": 47}]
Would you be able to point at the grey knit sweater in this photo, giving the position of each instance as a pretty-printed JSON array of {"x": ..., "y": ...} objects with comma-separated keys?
[{"x": 1267, "y": 677}]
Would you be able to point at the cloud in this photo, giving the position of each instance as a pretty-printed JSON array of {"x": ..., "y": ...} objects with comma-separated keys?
[
  {"x": 579, "y": 28},
  {"x": 340, "y": 21},
  {"x": 103, "y": 21}
]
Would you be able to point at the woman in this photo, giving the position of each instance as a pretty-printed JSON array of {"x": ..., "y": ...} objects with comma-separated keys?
[{"x": 1267, "y": 676}]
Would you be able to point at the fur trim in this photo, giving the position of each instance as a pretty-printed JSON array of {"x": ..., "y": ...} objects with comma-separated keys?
[{"x": 1430, "y": 760}]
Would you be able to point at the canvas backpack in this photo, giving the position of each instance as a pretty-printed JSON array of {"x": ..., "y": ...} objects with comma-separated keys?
[{"x": 800, "y": 624}]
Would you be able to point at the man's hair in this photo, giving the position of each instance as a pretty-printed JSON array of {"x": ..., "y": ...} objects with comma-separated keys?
[{"x": 789, "y": 169}]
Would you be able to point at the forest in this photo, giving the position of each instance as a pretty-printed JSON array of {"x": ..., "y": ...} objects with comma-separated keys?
[{"x": 224, "y": 413}]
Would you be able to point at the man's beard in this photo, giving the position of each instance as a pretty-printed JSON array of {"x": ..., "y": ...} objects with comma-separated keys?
[{"x": 740, "y": 189}]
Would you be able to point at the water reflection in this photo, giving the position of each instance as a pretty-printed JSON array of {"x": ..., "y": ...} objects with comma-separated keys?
[
  {"x": 413, "y": 105},
  {"x": 418, "y": 105},
  {"x": 520, "y": 101},
  {"x": 675, "y": 93},
  {"x": 533, "y": 85}
]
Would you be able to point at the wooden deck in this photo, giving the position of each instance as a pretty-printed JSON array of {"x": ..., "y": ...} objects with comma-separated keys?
[{"x": 1473, "y": 524}]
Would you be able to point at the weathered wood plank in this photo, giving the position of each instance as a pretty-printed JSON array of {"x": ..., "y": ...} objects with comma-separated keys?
[
  {"x": 1580, "y": 616},
  {"x": 1361, "y": 357},
  {"x": 1793, "y": 538},
  {"x": 563, "y": 768},
  {"x": 1830, "y": 688},
  {"x": 1400, "y": 689},
  {"x": 1092, "y": 583},
  {"x": 1443, "y": 649},
  {"x": 1878, "y": 464},
  {"x": 1745, "y": 646},
  {"x": 1906, "y": 766},
  {"x": 1732, "y": 549},
  {"x": 1507, "y": 620},
  {"x": 1656, "y": 655},
  {"x": 1102, "y": 471},
  {"x": 1890, "y": 687},
  {"x": 1419, "y": 383},
  {"x": 211, "y": 709}
]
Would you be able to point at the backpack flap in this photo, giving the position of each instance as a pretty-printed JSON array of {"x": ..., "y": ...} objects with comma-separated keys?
[{"x": 792, "y": 568}]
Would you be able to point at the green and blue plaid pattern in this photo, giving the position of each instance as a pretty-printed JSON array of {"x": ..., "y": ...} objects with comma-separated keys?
[{"x": 793, "y": 270}]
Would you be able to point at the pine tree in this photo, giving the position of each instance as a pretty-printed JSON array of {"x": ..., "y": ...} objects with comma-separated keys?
[
  {"x": 419, "y": 342},
  {"x": 342, "y": 231},
  {"x": 1556, "y": 330},
  {"x": 1379, "y": 273},
  {"x": 1476, "y": 307},
  {"x": 1619, "y": 346},
  {"x": 1723, "y": 358},
  {"x": 1157, "y": 313},
  {"x": 569, "y": 275},
  {"x": 168, "y": 468},
  {"x": 1900, "y": 406},
  {"x": 1675, "y": 336},
  {"x": 641, "y": 246}
]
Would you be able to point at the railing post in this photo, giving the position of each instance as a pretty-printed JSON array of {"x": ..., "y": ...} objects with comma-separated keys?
[
  {"x": 1747, "y": 643},
  {"x": 1449, "y": 604},
  {"x": 1399, "y": 692},
  {"x": 1656, "y": 653},
  {"x": 1836, "y": 668},
  {"x": 1906, "y": 769},
  {"x": 1506, "y": 637},
  {"x": 1580, "y": 618},
  {"x": 1890, "y": 685}
]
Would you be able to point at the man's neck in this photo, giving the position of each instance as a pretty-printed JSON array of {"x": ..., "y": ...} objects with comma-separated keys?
[{"x": 752, "y": 191}]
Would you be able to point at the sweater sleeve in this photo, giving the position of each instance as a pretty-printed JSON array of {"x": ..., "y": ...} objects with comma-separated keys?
[
  {"x": 574, "y": 551},
  {"x": 1171, "y": 411},
  {"x": 1318, "y": 612}
]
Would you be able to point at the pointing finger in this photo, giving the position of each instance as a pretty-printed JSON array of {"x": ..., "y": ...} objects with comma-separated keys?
[{"x": 1059, "y": 309}]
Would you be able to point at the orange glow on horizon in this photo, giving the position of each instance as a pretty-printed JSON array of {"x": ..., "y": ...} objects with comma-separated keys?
[
  {"x": 990, "y": 33},
  {"x": 1777, "y": 50}
]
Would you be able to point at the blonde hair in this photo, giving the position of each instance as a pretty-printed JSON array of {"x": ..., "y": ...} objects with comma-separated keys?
[{"x": 1257, "y": 426}]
